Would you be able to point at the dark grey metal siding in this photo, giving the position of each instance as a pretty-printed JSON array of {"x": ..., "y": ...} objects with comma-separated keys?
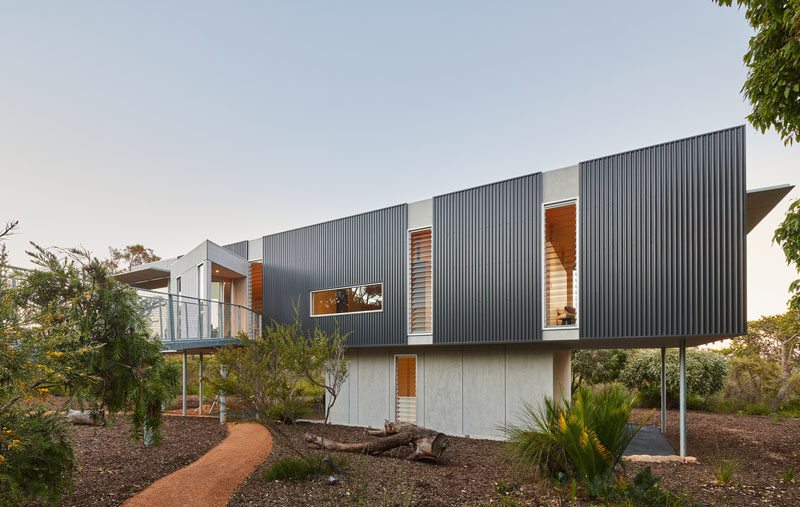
[
  {"x": 662, "y": 240},
  {"x": 357, "y": 250},
  {"x": 239, "y": 248},
  {"x": 487, "y": 263}
]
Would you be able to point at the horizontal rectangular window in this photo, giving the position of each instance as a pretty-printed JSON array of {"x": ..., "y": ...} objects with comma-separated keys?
[{"x": 361, "y": 298}]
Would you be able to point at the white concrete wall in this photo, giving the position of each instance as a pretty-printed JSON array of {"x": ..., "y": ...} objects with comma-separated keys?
[{"x": 473, "y": 390}]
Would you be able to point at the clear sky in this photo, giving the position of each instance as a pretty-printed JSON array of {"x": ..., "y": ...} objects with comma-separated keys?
[{"x": 166, "y": 123}]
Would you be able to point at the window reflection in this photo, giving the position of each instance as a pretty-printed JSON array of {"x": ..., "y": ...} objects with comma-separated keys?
[{"x": 362, "y": 298}]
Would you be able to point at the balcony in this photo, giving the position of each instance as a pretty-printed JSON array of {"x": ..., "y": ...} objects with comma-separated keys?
[{"x": 190, "y": 324}]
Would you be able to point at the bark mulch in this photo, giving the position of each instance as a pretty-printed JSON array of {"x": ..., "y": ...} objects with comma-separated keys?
[
  {"x": 465, "y": 474},
  {"x": 762, "y": 446},
  {"x": 112, "y": 468}
]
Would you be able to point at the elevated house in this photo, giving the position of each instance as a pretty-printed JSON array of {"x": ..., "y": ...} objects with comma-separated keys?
[{"x": 462, "y": 307}]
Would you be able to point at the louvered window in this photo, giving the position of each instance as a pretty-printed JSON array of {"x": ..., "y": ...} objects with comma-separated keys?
[
  {"x": 420, "y": 313},
  {"x": 406, "y": 389},
  {"x": 560, "y": 265}
]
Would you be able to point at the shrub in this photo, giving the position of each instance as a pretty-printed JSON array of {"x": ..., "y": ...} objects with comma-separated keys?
[
  {"x": 289, "y": 411},
  {"x": 584, "y": 440},
  {"x": 597, "y": 366},
  {"x": 299, "y": 470},
  {"x": 706, "y": 372},
  {"x": 36, "y": 459}
]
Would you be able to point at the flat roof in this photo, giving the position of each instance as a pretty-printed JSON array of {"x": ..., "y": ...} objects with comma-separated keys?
[{"x": 761, "y": 201}]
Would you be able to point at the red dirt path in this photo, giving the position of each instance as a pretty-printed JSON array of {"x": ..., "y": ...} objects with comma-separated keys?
[{"x": 211, "y": 480}]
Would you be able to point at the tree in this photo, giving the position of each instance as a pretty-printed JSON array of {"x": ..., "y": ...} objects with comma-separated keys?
[
  {"x": 787, "y": 235},
  {"x": 36, "y": 459},
  {"x": 597, "y": 366},
  {"x": 776, "y": 338},
  {"x": 268, "y": 373},
  {"x": 128, "y": 257},
  {"x": 68, "y": 326},
  {"x": 73, "y": 297},
  {"x": 773, "y": 60},
  {"x": 706, "y": 372}
]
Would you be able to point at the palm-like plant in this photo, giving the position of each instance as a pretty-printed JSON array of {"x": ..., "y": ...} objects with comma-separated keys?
[{"x": 583, "y": 440}]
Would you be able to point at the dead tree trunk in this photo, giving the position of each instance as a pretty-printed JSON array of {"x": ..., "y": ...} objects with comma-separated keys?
[{"x": 425, "y": 443}]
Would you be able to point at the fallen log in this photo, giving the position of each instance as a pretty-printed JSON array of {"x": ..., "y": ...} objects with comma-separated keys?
[
  {"x": 83, "y": 417},
  {"x": 426, "y": 444}
]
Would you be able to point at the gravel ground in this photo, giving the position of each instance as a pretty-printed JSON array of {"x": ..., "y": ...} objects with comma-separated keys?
[{"x": 112, "y": 468}]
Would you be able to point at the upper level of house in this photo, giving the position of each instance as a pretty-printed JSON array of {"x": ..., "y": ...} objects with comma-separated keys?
[{"x": 637, "y": 249}]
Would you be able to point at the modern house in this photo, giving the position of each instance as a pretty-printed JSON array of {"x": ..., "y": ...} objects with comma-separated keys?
[{"x": 462, "y": 307}]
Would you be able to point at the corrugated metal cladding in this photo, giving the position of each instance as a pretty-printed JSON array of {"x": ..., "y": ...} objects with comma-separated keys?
[
  {"x": 357, "y": 250},
  {"x": 487, "y": 263},
  {"x": 662, "y": 240},
  {"x": 239, "y": 248}
]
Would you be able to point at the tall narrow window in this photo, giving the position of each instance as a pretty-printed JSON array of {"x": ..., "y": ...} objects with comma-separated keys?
[
  {"x": 406, "y": 388},
  {"x": 255, "y": 286},
  {"x": 421, "y": 282},
  {"x": 560, "y": 265}
]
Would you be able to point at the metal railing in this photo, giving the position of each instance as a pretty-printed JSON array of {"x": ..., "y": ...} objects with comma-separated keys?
[{"x": 172, "y": 317}]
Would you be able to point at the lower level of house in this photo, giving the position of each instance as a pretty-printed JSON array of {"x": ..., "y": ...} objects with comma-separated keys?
[{"x": 463, "y": 390}]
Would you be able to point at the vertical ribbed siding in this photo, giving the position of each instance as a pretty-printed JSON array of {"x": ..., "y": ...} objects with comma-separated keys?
[
  {"x": 358, "y": 250},
  {"x": 487, "y": 263},
  {"x": 239, "y": 248},
  {"x": 662, "y": 240}
]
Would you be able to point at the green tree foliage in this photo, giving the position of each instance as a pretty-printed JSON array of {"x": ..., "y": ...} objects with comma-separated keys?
[
  {"x": 787, "y": 235},
  {"x": 769, "y": 341},
  {"x": 73, "y": 296},
  {"x": 269, "y": 374},
  {"x": 597, "y": 366},
  {"x": 773, "y": 61},
  {"x": 706, "y": 372},
  {"x": 129, "y": 257},
  {"x": 67, "y": 326},
  {"x": 36, "y": 459}
]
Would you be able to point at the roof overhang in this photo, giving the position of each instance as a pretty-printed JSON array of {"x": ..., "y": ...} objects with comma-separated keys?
[
  {"x": 761, "y": 201},
  {"x": 147, "y": 278}
]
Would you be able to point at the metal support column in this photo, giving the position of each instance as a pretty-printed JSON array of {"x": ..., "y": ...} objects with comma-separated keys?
[
  {"x": 170, "y": 319},
  {"x": 223, "y": 399},
  {"x": 683, "y": 397},
  {"x": 663, "y": 390},
  {"x": 200, "y": 386},
  {"x": 183, "y": 396}
]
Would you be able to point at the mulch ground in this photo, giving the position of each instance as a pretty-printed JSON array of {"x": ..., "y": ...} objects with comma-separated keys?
[
  {"x": 762, "y": 446},
  {"x": 113, "y": 468},
  {"x": 465, "y": 474}
]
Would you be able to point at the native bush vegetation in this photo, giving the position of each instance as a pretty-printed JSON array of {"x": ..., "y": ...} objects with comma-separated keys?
[
  {"x": 583, "y": 440},
  {"x": 272, "y": 374},
  {"x": 67, "y": 326},
  {"x": 581, "y": 444},
  {"x": 579, "y": 447},
  {"x": 706, "y": 372},
  {"x": 593, "y": 367}
]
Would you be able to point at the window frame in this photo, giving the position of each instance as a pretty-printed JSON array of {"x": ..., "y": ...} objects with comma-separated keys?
[
  {"x": 557, "y": 204},
  {"x": 311, "y": 301},
  {"x": 416, "y": 385},
  {"x": 408, "y": 281}
]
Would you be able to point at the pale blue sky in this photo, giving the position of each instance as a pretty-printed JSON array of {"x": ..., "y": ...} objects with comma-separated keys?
[{"x": 167, "y": 123}]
